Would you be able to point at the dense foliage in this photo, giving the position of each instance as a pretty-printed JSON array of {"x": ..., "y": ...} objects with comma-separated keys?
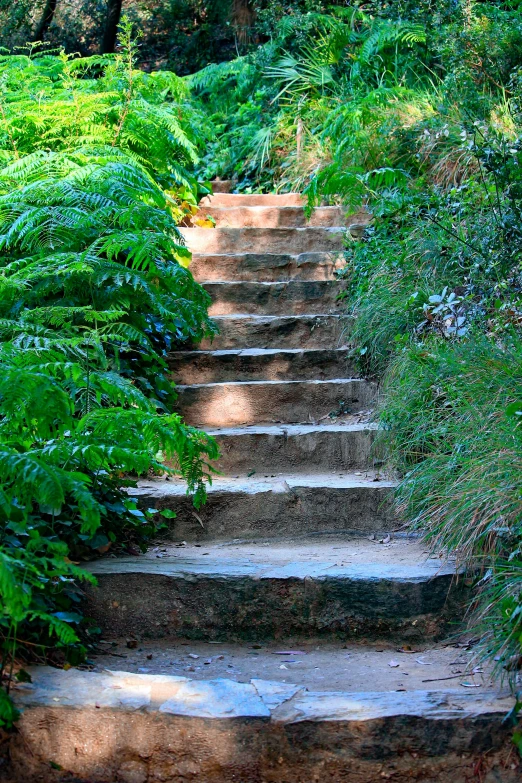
[
  {"x": 179, "y": 35},
  {"x": 95, "y": 165}
]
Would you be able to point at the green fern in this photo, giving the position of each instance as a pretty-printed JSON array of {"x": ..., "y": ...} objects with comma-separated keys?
[{"x": 94, "y": 293}]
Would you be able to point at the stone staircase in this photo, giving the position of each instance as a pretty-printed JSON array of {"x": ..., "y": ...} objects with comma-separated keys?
[{"x": 302, "y": 623}]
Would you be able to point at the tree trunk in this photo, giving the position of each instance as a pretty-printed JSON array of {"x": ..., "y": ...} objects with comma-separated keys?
[
  {"x": 111, "y": 26},
  {"x": 243, "y": 16},
  {"x": 45, "y": 21}
]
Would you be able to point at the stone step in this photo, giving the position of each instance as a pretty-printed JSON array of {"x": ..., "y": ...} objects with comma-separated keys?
[
  {"x": 277, "y": 331},
  {"x": 265, "y": 267},
  {"x": 257, "y": 402},
  {"x": 294, "y": 297},
  {"x": 295, "y": 447},
  {"x": 267, "y": 589},
  {"x": 254, "y": 200},
  {"x": 139, "y": 728},
  {"x": 257, "y": 364},
  {"x": 336, "y": 665},
  {"x": 263, "y": 240},
  {"x": 276, "y": 217},
  {"x": 276, "y": 504}
]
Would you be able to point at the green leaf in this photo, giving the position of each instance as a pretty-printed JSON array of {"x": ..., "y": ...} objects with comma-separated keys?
[{"x": 167, "y": 513}]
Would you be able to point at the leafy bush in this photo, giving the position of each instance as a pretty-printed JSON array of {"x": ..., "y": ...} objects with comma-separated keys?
[{"x": 94, "y": 292}]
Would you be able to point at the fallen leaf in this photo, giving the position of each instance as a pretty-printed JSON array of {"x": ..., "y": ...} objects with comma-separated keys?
[
  {"x": 393, "y": 664},
  {"x": 289, "y": 652},
  {"x": 470, "y": 684},
  {"x": 193, "y": 655},
  {"x": 423, "y": 663}
]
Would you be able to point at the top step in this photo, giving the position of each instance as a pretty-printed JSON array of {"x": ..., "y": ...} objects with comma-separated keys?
[
  {"x": 254, "y": 200},
  {"x": 277, "y": 217}
]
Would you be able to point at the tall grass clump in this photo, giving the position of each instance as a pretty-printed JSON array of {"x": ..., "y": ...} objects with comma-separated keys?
[{"x": 435, "y": 293}]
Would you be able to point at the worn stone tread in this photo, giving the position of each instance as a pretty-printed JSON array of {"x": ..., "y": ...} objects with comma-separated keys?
[
  {"x": 294, "y": 297},
  {"x": 225, "y": 698},
  {"x": 281, "y": 504},
  {"x": 258, "y": 364},
  {"x": 316, "y": 586},
  {"x": 289, "y": 430},
  {"x": 254, "y": 402},
  {"x": 368, "y": 479},
  {"x": 305, "y": 330},
  {"x": 320, "y": 447},
  {"x": 256, "y": 266},
  {"x": 273, "y": 216},
  {"x": 254, "y": 200},
  {"x": 315, "y": 665},
  {"x": 266, "y": 240},
  {"x": 400, "y": 561}
]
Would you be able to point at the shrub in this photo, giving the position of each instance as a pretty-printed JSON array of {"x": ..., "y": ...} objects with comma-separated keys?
[{"x": 94, "y": 292}]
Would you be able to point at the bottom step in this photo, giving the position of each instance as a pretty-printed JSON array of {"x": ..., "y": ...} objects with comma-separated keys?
[{"x": 138, "y": 728}]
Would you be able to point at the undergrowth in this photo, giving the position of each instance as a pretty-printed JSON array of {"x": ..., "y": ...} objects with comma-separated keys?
[{"x": 96, "y": 165}]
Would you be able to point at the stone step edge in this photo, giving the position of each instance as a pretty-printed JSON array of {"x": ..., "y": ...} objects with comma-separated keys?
[
  {"x": 291, "y": 429},
  {"x": 242, "y": 568},
  {"x": 263, "y": 318},
  {"x": 160, "y": 488},
  {"x": 242, "y": 384},
  {"x": 305, "y": 255},
  {"x": 257, "y": 352},
  {"x": 186, "y": 231},
  {"x": 292, "y": 207},
  {"x": 218, "y": 699},
  {"x": 334, "y": 283}
]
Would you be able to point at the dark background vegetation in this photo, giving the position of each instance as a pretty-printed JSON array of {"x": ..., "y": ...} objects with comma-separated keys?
[{"x": 181, "y": 35}]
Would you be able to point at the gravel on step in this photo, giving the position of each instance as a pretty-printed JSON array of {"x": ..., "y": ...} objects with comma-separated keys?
[{"x": 316, "y": 666}]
